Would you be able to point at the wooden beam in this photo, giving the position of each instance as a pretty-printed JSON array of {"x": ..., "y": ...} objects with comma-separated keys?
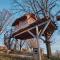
[
  {"x": 40, "y": 31},
  {"x": 42, "y": 39},
  {"x": 31, "y": 28},
  {"x": 45, "y": 28},
  {"x": 31, "y": 34},
  {"x": 37, "y": 31},
  {"x": 37, "y": 38}
]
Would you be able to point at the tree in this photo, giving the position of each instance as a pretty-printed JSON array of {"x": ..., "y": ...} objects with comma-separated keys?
[
  {"x": 41, "y": 8},
  {"x": 7, "y": 38},
  {"x": 19, "y": 44},
  {"x": 4, "y": 16}
]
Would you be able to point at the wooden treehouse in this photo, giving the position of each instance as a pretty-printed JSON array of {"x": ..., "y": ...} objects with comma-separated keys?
[{"x": 29, "y": 26}]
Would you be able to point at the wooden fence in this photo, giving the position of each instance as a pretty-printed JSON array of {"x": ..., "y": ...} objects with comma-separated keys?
[{"x": 15, "y": 57}]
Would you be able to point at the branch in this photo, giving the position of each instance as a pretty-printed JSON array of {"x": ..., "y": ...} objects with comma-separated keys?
[
  {"x": 18, "y": 4},
  {"x": 57, "y": 13},
  {"x": 51, "y": 3},
  {"x": 51, "y": 8},
  {"x": 42, "y": 9},
  {"x": 23, "y": 43},
  {"x": 42, "y": 39}
]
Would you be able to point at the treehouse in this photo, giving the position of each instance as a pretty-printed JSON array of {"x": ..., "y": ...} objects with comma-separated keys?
[{"x": 25, "y": 27}]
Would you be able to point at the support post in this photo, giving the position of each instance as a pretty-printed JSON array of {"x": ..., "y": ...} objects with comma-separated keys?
[
  {"x": 37, "y": 37},
  {"x": 48, "y": 47}
]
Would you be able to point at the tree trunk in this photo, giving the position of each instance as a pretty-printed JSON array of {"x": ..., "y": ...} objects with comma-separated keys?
[
  {"x": 15, "y": 45},
  {"x": 48, "y": 47},
  {"x": 20, "y": 45},
  {"x": 9, "y": 46}
]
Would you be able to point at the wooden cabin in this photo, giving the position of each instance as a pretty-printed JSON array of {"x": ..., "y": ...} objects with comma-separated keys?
[
  {"x": 24, "y": 21},
  {"x": 29, "y": 22}
]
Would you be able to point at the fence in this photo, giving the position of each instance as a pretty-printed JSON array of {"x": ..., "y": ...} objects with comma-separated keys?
[{"x": 14, "y": 57}]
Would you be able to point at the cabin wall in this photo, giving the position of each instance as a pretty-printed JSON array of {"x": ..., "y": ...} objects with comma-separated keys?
[
  {"x": 21, "y": 25},
  {"x": 30, "y": 21},
  {"x": 16, "y": 27},
  {"x": 25, "y": 23}
]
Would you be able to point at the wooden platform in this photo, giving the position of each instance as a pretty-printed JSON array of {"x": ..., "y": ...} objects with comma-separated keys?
[{"x": 24, "y": 34}]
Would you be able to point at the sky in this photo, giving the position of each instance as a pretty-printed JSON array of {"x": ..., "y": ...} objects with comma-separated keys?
[{"x": 6, "y": 4}]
